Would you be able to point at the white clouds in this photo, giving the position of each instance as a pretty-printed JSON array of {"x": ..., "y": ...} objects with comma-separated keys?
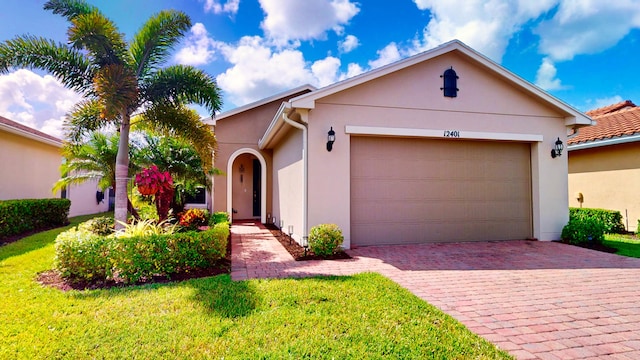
[
  {"x": 37, "y": 101},
  {"x": 546, "y": 76},
  {"x": 587, "y": 27},
  {"x": 387, "y": 55},
  {"x": 293, "y": 20},
  {"x": 230, "y": 6},
  {"x": 602, "y": 102},
  {"x": 349, "y": 43},
  {"x": 486, "y": 26},
  {"x": 258, "y": 71},
  {"x": 199, "y": 48}
]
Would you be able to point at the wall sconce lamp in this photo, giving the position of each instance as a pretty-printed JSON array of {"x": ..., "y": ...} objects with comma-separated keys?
[
  {"x": 331, "y": 138},
  {"x": 557, "y": 150}
]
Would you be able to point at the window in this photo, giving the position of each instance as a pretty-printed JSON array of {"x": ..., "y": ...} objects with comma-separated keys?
[{"x": 199, "y": 198}]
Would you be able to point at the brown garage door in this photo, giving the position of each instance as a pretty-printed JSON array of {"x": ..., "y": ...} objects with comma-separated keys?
[{"x": 418, "y": 190}]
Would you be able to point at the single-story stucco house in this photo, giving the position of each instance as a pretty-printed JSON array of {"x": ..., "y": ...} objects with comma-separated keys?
[
  {"x": 30, "y": 164},
  {"x": 446, "y": 145},
  {"x": 604, "y": 162}
]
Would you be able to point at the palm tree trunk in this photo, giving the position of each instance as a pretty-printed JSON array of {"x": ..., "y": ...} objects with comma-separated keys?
[{"x": 122, "y": 173}]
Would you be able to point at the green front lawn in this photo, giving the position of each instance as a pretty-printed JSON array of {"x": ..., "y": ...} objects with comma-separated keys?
[
  {"x": 627, "y": 245},
  {"x": 362, "y": 316}
]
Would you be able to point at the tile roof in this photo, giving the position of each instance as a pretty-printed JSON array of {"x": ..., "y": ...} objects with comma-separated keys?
[
  {"x": 22, "y": 129},
  {"x": 613, "y": 121},
  {"x": 610, "y": 108}
]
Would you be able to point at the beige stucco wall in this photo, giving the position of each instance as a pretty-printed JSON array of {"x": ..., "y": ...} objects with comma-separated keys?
[
  {"x": 608, "y": 178},
  {"x": 288, "y": 182},
  {"x": 83, "y": 199},
  {"x": 411, "y": 98},
  {"x": 28, "y": 168},
  {"x": 237, "y": 134}
]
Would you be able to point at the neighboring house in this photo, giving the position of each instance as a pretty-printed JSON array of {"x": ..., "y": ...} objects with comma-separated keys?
[
  {"x": 604, "y": 162},
  {"x": 30, "y": 164},
  {"x": 411, "y": 162}
]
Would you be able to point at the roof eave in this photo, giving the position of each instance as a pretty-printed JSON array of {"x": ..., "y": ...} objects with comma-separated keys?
[
  {"x": 604, "y": 142},
  {"x": 30, "y": 135},
  {"x": 274, "y": 127}
]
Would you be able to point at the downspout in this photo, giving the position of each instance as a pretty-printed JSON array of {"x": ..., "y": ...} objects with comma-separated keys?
[{"x": 305, "y": 162}]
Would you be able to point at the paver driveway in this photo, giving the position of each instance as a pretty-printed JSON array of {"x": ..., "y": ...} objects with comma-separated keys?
[{"x": 534, "y": 299}]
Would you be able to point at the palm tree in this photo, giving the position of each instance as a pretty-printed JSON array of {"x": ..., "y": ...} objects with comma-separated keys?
[
  {"x": 180, "y": 159},
  {"x": 93, "y": 160},
  {"x": 119, "y": 80}
]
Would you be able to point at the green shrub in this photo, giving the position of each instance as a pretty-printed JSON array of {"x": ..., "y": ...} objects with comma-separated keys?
[
  {"x": 218, "y": 217},
  {"x": 19, "y": 216},
  {"x": 583, "y": 230},
  {"x": 103, "y": 225},
  {"x": 611, "y": 219},
  {"x": 325, "y": 239},
  {"x": 83, "y": 255},
  {"x": 638, "y": 228},
  {"x": 193, "y": 218}
]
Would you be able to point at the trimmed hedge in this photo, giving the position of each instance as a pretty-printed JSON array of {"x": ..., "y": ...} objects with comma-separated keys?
[
  {"x": 612, "y": 220},
  {"x": 82, "y": 255},
  {"x": 19, "y": 216}
]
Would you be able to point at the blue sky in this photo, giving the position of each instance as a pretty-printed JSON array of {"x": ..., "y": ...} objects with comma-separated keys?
[{"x": 584, "y": 52}]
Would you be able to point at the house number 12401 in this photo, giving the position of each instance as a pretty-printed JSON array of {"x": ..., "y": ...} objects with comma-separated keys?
[{"x": 452, "y": 133}]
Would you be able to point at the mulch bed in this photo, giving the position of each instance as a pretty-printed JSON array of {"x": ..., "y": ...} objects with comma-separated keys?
[
  {"x": 593, "y": 246},
  {"x": 298, "y": 252},
  {"x": 53, "y": 279}
]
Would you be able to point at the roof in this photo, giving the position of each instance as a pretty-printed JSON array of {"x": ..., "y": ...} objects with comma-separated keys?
[
  {"x": 615, "y": 123},
  {"x": 610, "y": 108},
  {"x": 25, "y": 131},
  {"x": 285, "y": 94},
  {"x": 574, "y": 116}
]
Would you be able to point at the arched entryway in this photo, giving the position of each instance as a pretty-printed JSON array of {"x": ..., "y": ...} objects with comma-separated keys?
[{"x": 247, "y": 185}]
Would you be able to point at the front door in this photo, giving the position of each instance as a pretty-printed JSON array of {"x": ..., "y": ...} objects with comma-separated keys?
[{"x": 257, "y": 195}]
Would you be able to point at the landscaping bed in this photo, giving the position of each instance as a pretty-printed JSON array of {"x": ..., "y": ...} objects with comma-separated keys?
[
  {"x": 53, "y": 278},
  {"x": 298, "y": 251}
]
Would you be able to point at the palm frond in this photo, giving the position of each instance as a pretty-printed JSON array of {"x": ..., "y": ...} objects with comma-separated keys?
[
  {"x": 183, "y": 123},
  {"x": 77, "y": 178},
  {"x": 99, "y": 36},
  {"x": 116, "y": 88},
  {"x": 68, "y": 65},
  {"x": 84, "y": 118},
  {"x": 152, "y": 44},
  {"x": 69, "y": 8},
  {"x": 180, "y": 84}
]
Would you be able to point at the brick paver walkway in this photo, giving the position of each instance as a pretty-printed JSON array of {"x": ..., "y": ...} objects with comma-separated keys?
[{"x": 537, "y": 300}]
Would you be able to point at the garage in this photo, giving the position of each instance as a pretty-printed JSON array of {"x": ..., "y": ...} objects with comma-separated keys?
[{"x": 416, "y": 190}]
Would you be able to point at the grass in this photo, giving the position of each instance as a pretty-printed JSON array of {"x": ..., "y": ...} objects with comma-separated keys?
[
  {"x": 362, "y": 316},
  {"x": 626, "y": 245}
]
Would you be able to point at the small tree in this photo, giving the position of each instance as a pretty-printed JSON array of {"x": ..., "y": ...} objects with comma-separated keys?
[{"x": 152, "y": 182}]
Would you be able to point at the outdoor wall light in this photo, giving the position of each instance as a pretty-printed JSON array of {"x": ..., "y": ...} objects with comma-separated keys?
[
  {"x": 557, "y": 150},
  {"x": 331, "y": 138}
]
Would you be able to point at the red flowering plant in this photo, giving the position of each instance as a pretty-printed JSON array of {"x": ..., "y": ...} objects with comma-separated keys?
[
  {"x": 193, "y": 218},
  {"x": 153, "y": 182}
]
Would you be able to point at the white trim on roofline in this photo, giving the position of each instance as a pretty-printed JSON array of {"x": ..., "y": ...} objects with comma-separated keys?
[
  {"x": 212, "y": 120},
  {"x": 604, "y": 142},
  {"x": 274, "y": 127},
  {"x": 441, "y": 133},
  {"x": 30, "y": 135},
  {"x": 307, "y": 101}
]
